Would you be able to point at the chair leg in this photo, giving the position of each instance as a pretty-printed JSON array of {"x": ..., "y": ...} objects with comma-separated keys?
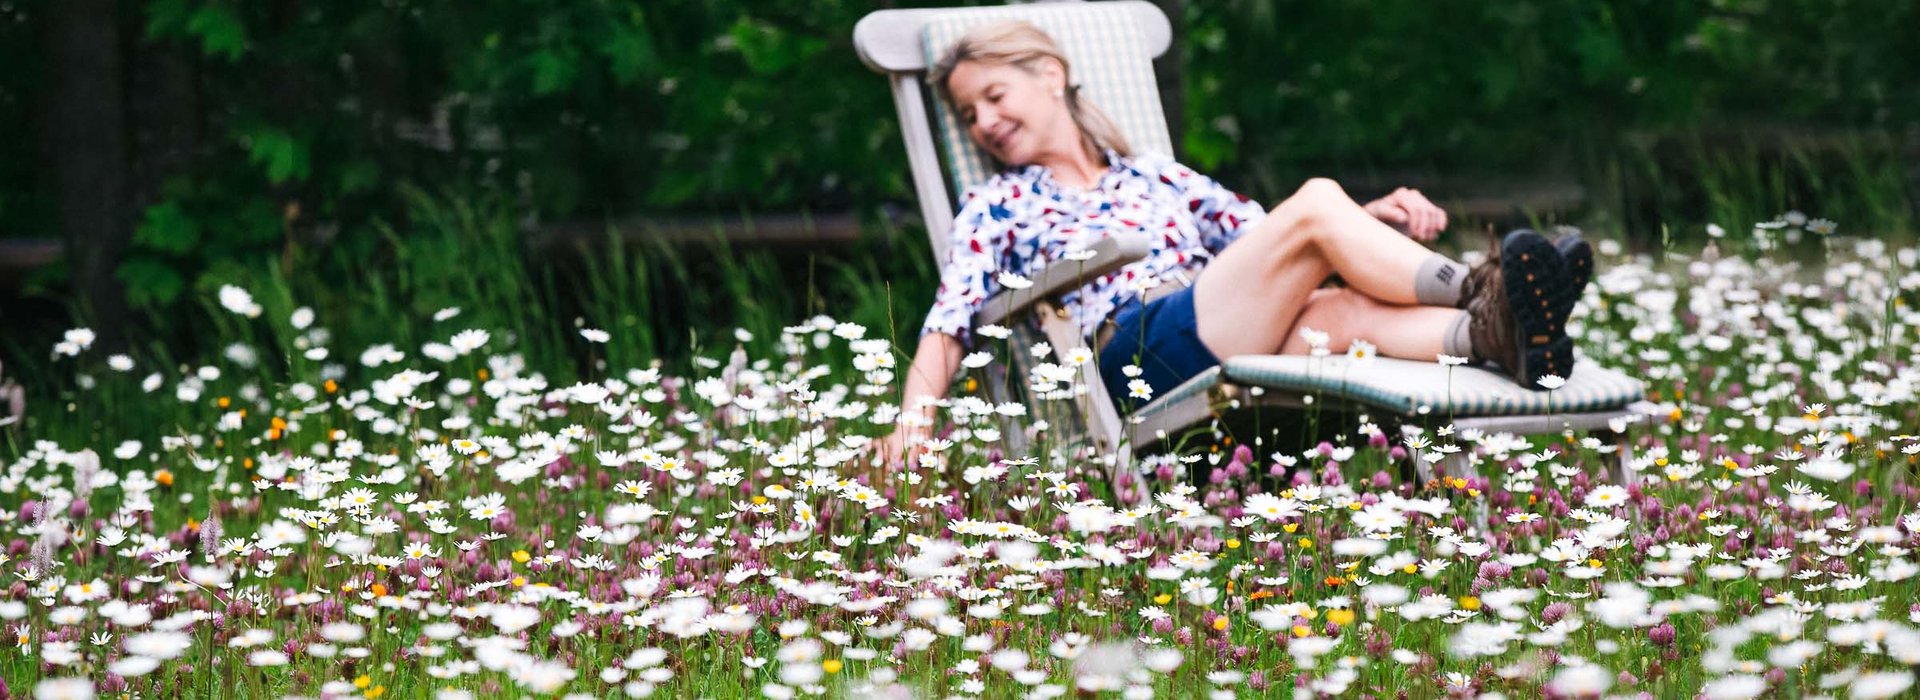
[
  {"x": 1011, "y": 433},
  {"x": 1617, "y": 470},
  {"x": 1423, "y": 470}
]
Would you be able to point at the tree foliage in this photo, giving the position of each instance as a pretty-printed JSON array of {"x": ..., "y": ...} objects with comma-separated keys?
[{"x": 310, "y": 116}]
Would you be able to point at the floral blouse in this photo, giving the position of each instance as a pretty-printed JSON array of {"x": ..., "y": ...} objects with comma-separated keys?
[{"x": 1022, "y": 219}]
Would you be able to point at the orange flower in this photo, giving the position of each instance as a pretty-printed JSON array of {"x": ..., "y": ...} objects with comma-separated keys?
[
  {"x": 164, "y": 477},
  {"x": 379, "y": 590},
  {"x": 330, "y": 386}
]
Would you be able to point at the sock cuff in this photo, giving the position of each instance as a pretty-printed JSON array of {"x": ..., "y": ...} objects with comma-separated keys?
[
  {"x": 1458, "y": 342},
  {"x": 1439, "y": 281}
]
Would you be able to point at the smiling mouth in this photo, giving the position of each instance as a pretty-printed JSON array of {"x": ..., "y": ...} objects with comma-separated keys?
[{"x": 1000, "y": 142}]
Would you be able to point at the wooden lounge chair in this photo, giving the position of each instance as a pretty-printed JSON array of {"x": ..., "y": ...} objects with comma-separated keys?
[{"x": 1112, "y": 45}]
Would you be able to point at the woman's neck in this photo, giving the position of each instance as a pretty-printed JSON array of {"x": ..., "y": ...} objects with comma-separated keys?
[{"x": 1078, "y": 169}]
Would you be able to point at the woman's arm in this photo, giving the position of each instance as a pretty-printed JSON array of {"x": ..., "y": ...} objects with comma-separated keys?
[
  {"x": 934, "y": 363},
  {"x": 978, "y": 243}
]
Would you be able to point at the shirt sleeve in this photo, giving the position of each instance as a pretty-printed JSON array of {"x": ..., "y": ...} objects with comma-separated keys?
[
  {"x": 976, "y": 245},
  {"x": 1221, "y": 215}
]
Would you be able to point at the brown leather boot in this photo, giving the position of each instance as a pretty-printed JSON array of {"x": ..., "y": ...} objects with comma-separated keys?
[
  {"x": 1573, "y": 248},
  {"x": 1517, "y": 315}
]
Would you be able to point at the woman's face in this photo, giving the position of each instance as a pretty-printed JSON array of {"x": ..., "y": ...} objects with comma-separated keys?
[{"x": 1012, "y": 113}]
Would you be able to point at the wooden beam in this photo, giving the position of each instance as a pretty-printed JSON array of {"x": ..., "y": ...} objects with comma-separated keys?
[{"x": 773, "y": 228}]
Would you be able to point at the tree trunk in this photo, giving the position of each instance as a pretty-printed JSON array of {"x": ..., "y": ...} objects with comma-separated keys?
[
  {"x": 87, "y": 134},
  {"x": 163, "y": 110}
]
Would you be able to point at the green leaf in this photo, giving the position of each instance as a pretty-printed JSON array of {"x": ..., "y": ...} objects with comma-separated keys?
[
  {"x": 763, "y": 47},
  {"x": 629, "y": 53},
  {"x": 150, "y": 282},
  {"x": 167, "y": 18},
  {"x": 553, "y": 71},
  {"x": 359, "y": 176},
  {"x": 168, "y": 229},
  {"x": 677, "y": 191},
  {"x": 257, "y": 222},
  {"x": 220, "y": 31},
  {"x": 284, "y": 156},
  {"x": 1208, "y": 148}
]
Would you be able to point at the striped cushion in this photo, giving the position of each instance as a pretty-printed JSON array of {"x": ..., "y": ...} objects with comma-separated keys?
[
  {"x": 1110, "y": 61},
  {"x": 1405, "y": 387},
  {"x": 1199, "y": 384}
]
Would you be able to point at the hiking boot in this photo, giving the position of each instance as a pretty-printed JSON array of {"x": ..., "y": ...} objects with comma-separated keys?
[
  {"x": 1517, "y": 316},
  {"x": 1579, "y": 257},
  {"x": 1572, "y": 246}
]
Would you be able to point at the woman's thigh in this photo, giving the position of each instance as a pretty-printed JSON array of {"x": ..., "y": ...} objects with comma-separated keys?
[{"x": 1248, "y": 297}]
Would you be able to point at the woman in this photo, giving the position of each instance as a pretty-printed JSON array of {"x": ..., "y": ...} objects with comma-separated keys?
[{"x": 1071, "y": 179}]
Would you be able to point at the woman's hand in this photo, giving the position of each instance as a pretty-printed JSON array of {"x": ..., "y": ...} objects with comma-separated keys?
[
  {"x": 1410, "y": 212},
  {"x": 894, "y": 449}
]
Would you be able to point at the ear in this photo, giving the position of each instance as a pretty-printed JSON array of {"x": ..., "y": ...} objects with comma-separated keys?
[{"x": 1053, "y": 75}]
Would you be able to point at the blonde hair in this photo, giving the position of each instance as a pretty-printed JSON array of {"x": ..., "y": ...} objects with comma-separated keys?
[{"x": 1024, "y": 46}]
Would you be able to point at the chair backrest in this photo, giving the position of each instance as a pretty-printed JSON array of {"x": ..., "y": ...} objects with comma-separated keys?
[{"x": 1111, "y": 46}]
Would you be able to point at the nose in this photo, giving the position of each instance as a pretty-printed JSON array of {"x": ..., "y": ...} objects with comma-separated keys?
[{"x": 984, "y": 117}]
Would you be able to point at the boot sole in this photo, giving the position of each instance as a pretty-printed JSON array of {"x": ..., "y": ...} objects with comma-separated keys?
[
  {"x": 1579, "y": 256},
  {"x": 1539, "y": 294}
]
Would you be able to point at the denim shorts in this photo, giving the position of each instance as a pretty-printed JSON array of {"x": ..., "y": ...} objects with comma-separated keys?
[{"x": 1162, "y": 338}]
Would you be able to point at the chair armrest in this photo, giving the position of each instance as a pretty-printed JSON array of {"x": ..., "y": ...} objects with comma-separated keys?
[{"x": 1109, "y": 254}]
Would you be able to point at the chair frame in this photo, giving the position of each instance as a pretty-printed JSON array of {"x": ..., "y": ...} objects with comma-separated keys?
[{"x": 890, "y": 42}]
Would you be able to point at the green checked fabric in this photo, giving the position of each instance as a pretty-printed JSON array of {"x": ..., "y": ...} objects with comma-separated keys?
[
  {"x": 1405, "y": 386},
  {"x": 1110, "y": 61}
]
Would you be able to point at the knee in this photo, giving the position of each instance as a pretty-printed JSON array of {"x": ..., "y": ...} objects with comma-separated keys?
[
  {"x": 1333, "y": 311},
  {"x": 1336, "y": 302},
  {"x": 1317, "y": 200},
  {"x": 1320, "y": 189}
]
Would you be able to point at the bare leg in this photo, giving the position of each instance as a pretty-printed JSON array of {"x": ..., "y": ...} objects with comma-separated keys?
[
  {"x": 1249, "y": 297},
  {"x": 1405, "y": 332}
]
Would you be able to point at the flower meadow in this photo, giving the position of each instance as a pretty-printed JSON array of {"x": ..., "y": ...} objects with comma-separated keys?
[{"x": 445, "y": 521}]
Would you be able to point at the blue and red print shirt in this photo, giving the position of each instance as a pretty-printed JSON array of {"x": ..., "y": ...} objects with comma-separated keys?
[{"x": 1021, "y": 220}]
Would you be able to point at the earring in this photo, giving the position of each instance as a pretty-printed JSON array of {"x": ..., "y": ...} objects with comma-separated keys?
[{"x": 1057, "y": 94}]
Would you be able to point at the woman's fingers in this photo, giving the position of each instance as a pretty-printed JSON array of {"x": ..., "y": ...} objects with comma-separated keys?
[
  {"x": 1410, "y": 212},
  {"x": 1429, "y": 219}
]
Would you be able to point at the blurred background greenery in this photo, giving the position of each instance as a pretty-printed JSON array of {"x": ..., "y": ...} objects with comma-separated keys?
[{"x": 544, "y": 163}]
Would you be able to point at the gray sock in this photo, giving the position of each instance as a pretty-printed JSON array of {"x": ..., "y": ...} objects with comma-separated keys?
[
  {"x": 1457, "y": 342},
  {"x": 1439, "y": 281}
]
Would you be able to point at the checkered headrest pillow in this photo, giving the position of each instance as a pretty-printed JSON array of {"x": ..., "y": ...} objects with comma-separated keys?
[{"x": 1110, "y": 62}]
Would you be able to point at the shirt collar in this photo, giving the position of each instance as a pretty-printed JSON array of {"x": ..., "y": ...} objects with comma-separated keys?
[{"x": 1038, "y": 174}]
